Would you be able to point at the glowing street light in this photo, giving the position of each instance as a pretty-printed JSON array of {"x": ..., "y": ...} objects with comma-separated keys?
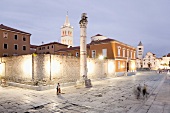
[{"x": 101, "y": 57}]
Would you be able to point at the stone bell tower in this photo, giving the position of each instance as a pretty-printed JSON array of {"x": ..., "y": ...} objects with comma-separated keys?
[
  {"x": 140, "y": 50},
  {"x": 67, "y": 33}
]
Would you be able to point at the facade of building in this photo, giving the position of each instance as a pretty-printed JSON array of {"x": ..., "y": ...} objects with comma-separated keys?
[
  {"x": 150, "y": 61},
  {"x": 33, "y": 49},
  {"x": 13, "y": 42},
  {"x": 103, "y": 47},
  {"x": 49, "y": 48},
  {"x": 67, "y": 33},
  {"x": 165, "y": 62}
]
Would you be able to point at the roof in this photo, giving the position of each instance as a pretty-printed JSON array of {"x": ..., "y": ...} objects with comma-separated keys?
[
  {"x": 168, "y": 55},
  {"x": 102, "y": 41},
  {"x": 12, "y": 29},
  {"x": 71, "y": 48},
  {"x": 33, "y": 46},
  {"x": 140, "y": 44},
  {"x": 52, "y": 43}
]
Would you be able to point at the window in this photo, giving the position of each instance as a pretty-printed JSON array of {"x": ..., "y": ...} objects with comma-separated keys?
[
  {"x": 16, "y": 37},
  {"x": 131, "y": 54},
  {"x": 40, "y": 48},
  {"x": 118, "y": 64},
  {"x": 47, "y": 47},
  {"x": 24, "y": 39},
  {"x": 15, "y": 47},
  {"x": 119, "y": 50},
  {"x": 69, "y": 54},
  {"x": 123, "y": 52},
  {"x": 140, "y": 48},
  {"x": 52, "y": 46},
  {"x": 134, "y": 54},
  {"x": 77, "y": 54},
  {"x": 93, "y": 53},
  {"x": 5, "y": 46},
  {"x": 127, "y": 53},
  {"x": 43, "y": 48},
  {"x": 123, "y": 65},
  {"x": 5, "y": 35},
  {"x": 104, "y": 52},
  {"x": 24, "y": 48},
  {"x": 5, "y": 54}
]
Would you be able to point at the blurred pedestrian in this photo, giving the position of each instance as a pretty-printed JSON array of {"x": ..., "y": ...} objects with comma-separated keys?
[
  {"x": 138, "y": 91},
  {"x": 58, "y": 89},
  {"x": 144, "y": 91}
]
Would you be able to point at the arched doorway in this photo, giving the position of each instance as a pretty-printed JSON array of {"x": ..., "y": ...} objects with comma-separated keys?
[{"x": 149, "y": 65}]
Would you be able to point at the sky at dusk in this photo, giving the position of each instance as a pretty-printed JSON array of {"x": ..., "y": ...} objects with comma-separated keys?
[{"x": 128, "y": 21}]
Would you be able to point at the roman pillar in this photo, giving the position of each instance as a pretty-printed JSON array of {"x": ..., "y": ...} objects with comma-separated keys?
[{"x": 83, "y": 52}]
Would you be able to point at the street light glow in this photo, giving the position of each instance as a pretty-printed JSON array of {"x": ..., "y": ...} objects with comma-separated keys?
[{"x": 101, "y": 57}]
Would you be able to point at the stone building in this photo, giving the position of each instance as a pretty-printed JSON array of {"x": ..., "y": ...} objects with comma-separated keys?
[
  {"x": 102, "y": 47},
  {"x": 67, "y": 33},
  {"x": 50, "y": 48},
  {"x": 150, "y": 61},
  {"x": 14, "y": 42},
  {"x": 165, "y": 62}
]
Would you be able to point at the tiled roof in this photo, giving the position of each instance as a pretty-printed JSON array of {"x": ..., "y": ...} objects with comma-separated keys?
[
  {"x": 168, "y": 55},
  {"x": 102, "y": 41},
  {"x": 12, "y": 29},
  {"x": 71, "y": 48},
  {"x": 33, "y": 46},
  {"x": 53, "y": 43}
]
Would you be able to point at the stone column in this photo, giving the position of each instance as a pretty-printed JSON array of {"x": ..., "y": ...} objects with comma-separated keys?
[{"x": 83, "y": 52}]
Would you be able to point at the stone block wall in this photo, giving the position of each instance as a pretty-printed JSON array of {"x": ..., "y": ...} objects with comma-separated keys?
[
  {"x": 54, "y": 68},
  {"x": 17, "y": 68}
]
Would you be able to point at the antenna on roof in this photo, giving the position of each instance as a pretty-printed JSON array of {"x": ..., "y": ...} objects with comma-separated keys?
[{"x": 42, "y": 42}]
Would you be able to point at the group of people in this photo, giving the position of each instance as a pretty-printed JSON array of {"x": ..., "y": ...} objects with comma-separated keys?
[{"x": 142, "y": 90}]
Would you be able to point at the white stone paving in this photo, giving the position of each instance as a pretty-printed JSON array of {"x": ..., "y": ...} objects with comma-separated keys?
[{"x": 112, "y": 95}]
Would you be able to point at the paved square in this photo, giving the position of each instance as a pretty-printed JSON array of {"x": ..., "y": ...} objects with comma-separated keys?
[{"x": 113, "y": 95}]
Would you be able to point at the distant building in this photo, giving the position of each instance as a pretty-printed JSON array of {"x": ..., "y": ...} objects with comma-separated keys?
[
  {"x": 13, "y": 41},
  {"x": 103, "y": 47},
  {"x": 33, "y": 49},
  {"x": 67, "y": 33},
  {"x": 150, "y": 61},
  {"x": 165, "y": 62},
  {"x": 50, "y": 48}
]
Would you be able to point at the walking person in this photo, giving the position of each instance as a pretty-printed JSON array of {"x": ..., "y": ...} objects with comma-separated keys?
[
  {"x": 138, "y": 91},
  {"x": 144, "y": 91},
  {"x": 58, "y": 89}
]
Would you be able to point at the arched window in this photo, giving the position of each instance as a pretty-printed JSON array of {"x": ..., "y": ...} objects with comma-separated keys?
[
  {"x": 119, "y": 50},
  {"x": 63, "y": 33}
]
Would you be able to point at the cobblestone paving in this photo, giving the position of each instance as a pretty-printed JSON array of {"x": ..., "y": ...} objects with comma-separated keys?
[{"x": 114, "y": 95}]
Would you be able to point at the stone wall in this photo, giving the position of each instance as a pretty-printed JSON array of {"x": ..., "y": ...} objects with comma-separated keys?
[
  {"x": 53, "y": 68},
  {"x": 17, "y": 68}
]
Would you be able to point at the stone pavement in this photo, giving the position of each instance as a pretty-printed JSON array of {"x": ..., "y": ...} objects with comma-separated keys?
[{"x": 114, "y": 95}]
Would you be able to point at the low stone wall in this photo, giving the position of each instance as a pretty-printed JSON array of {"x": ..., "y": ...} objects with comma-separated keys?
[{"x": 52, "y": 69}]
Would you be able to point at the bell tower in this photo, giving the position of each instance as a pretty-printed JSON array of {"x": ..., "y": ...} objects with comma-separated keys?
[
  {"x": 140, "y": 50},
  {"x": 67, "y": 33}
]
